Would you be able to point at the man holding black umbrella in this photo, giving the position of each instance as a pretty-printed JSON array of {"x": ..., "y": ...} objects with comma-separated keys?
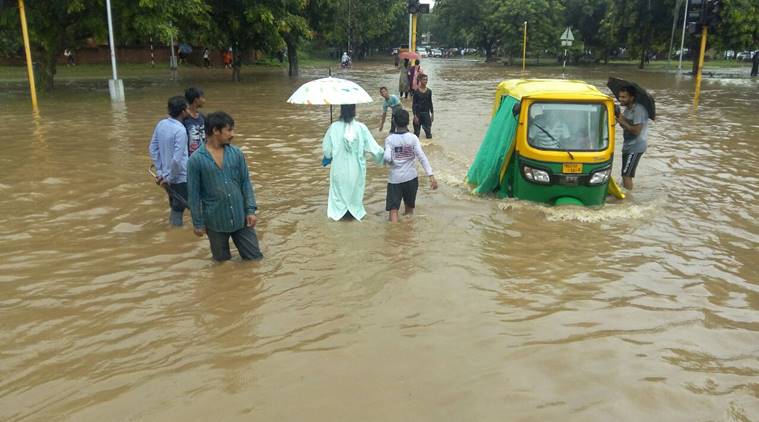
[{"x": 634, "y": 122}]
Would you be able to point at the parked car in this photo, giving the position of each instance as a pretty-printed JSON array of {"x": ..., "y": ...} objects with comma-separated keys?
[
  {"x": 744, "y": 56},
  {"x": 436, "y": 52},
  {"x": 422, "y": 52}
]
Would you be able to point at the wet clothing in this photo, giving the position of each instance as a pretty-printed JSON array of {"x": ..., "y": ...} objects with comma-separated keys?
[
  {"x": 177, "y": 197},
  {"x": 404, "y": 85},
  {"x": 636, "y": 114},
  {"x": 422, "y": 102},
  {"x": 196, "y": 132},
  {"x": 630, "y": 163},
  {"x": 220, "y": 198},
  {"x": 397, "y": 192},
  {"x": 346, "y": 144},
  {"x": 245, "y": 239},
  {"x": 425, "y": 122},
  {"x": 423, "y": 109},
  {"x": 168, "y": 150},
  {"x": 401, "y": 152},
  {"x": 415, "y": 77},
  {"x": 394, "y": 103}
]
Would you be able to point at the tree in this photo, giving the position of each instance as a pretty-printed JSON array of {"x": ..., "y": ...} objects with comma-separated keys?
[
  {"x": 471, "y": 22},
  {"x": 738, "y": 28},
  {"x": 642, "y": 25},
  {"x": 74, "y": 21},
  {"x": 584, "y": 17},
  {"x": 55, "y": 25}
]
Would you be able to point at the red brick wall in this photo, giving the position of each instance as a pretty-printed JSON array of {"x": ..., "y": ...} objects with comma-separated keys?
[{"x": 134, "y": 55}]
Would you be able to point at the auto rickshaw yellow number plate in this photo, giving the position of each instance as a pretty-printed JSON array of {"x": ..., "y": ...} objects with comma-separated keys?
[{"x": 571, "y": 168}]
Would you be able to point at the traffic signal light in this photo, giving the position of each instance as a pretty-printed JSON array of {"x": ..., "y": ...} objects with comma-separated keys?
[
  {"x": 712, "y": 15},
  {"x": 695, "y": 16},
  {"x": 415, "y": 7}
]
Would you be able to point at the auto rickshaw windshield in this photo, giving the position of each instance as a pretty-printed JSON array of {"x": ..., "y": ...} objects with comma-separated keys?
[{"x": 568, "y": 126}]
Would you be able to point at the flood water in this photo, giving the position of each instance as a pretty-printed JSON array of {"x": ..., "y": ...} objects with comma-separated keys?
[{"x": 474, "y": 309}]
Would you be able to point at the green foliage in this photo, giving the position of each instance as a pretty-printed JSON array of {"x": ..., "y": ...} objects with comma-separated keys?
[{"x": 739, "y": 27}]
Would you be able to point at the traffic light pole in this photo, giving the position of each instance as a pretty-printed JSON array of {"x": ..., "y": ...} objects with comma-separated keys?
[
  {"x": 413, "y": 32},
  {"x": 704, "y": 33},
  {"x": 27, "y": 50}
]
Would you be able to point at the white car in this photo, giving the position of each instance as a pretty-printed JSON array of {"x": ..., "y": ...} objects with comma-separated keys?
[
  {"x": 436, "y": 52},
  {"x": 422, "y": 53}
]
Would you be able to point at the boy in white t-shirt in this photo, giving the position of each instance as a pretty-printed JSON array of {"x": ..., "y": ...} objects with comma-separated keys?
[{"x": 401, "y": 151}]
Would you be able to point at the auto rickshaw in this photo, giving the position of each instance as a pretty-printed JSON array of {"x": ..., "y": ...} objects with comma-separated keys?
[{"x": 549, "y": 141}]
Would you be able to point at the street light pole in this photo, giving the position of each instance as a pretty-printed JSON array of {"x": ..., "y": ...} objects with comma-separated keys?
[
  {"x": 682, "y": 38},
  {"x": 115, "y": 85}
]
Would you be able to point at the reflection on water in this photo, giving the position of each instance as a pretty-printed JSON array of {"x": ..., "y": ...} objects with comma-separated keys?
[{"x": 473, "y": 309}]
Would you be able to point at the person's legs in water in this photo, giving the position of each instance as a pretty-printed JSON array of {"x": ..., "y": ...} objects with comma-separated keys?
[
  {"x": 409, "y": 195},
  {"x": 247, "y": 243},
  {"x": 426, "y": 121},
  {"x": 219, "y": 242},
  {"x": 177, "y": 191},
  {"x": 393, "y": 200},
  {"x": 629, "y": 165}
]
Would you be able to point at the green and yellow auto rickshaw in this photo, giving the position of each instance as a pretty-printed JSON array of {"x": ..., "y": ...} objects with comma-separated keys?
[{"x": 549, "y": 141}]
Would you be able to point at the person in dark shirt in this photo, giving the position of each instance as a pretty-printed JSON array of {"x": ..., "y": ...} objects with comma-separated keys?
[
  {"x": 194, "y": 122},
  {"x": 422, "y": 108},
  {"x": 221, "y": 196}
]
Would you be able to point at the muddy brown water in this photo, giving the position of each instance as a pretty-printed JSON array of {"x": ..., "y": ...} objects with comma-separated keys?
[{"x": 474, "y": 309}]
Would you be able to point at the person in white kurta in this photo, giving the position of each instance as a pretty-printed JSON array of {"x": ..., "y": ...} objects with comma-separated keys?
[{"x": 346, "y": 144}]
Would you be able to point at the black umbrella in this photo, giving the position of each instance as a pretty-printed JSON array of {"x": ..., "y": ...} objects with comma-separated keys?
[{"x": 642, "y": 97}]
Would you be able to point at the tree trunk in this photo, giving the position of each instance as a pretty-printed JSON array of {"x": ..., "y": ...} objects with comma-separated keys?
[
  {"x": 292, "y": 58},
  {"x": 642, "y": 59},
  {"x": 489, "y": 56},
  {"x": 45, "y": 73}
]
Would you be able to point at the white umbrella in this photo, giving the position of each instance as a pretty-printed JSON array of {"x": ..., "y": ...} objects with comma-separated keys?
[{"x": 330, "y": 91}]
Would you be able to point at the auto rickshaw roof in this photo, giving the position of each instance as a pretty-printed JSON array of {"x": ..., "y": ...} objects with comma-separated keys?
[{"x": 548, "y": 89}]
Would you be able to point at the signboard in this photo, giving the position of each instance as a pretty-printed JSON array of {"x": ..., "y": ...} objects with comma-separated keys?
[{"x": 567, "y": 38}]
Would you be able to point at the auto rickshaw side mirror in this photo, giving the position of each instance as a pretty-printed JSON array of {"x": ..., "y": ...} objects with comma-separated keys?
[{"x": 516, "y": 109}]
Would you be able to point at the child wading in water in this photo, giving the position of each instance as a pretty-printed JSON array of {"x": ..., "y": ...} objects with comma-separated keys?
[{"x": 401, "y": 150}]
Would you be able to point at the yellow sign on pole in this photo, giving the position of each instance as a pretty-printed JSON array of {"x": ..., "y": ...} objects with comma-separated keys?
[{"x": 29, "y": 69}]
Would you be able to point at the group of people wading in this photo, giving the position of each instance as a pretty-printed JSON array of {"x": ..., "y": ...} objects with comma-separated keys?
[{"x": 202, "y": 171}]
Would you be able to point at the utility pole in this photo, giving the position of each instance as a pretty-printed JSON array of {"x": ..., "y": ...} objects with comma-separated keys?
[
  {"x": 672, "y": 37},
  {"x": 682, "y": 38},
  {"x": 115, "y": 85}
]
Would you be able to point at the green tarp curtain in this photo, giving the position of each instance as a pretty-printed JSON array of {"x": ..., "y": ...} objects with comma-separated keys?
[{"x": 484, "y": 173}]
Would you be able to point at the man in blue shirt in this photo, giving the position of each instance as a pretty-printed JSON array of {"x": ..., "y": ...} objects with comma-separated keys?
[
  {"x": 168, "y": 150},
  {"x": 392, "y": 102},
  {"x": 222, "y": 201}
]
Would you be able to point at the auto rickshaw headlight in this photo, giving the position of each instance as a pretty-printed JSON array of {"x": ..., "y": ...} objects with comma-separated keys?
[
  {"x": 600, "y": 176},
  {"x": 536, "y": 175}
]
